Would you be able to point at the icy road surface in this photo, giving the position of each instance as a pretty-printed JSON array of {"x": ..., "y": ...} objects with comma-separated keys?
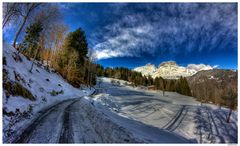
[{"x": 175, "y": 113}]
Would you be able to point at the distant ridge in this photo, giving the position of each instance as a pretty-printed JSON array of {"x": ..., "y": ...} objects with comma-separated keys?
[{"x": 171, "y": 70}]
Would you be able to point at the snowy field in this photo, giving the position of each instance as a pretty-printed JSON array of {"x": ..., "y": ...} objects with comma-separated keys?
[{"x": 173, "y": 112}]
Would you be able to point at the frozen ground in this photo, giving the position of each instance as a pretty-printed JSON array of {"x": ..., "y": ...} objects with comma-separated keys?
[{"x": 175, "y": 113}]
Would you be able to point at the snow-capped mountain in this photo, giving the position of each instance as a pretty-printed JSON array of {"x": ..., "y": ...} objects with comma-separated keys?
[
  {"x": 171, "y": 70},
  {"x": 146, "y": 70}
]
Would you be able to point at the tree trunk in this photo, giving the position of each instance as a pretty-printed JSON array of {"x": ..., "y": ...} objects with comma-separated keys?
[
  {"x": 19, "y": 31},
  {"x": 33, "y": 61},
  {"x": 201, "y": 101},
  {"x": 88, "y": 73},
  {"x": 219, "y": 106},
  {"x": 229, "y": 116},
  {"x": 90, "y": 81},
  {"x": 99, "y": 83},
  {"x": 84, "y": 72}
]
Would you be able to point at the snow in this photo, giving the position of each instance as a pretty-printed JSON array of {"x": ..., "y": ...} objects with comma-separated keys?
[
  {"x": 171, "y": 70},
  {"x": 18, "y": 102},
  {"x": 83, "y": 120},
  {"x": 175, "y": 113},
  {"x": 115, "y": 113},
  {"x": 138, "y": 130},
  {"x": 146, "y": 70},
  {"x": 37, "y": 83}
]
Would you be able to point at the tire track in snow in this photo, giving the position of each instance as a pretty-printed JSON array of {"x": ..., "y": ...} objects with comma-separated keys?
[
  {"x": 66, "y": 133},
  {"x": 74, "y": 121},
  {"x": 30, "y": 134},
  {"x": 212, "y": 123},
  {"x": 174, "y": 118},
  {"x": 93, "y": 126},
  {"x": 177, "y": 120},
  {"x": 77, "y": 127}
]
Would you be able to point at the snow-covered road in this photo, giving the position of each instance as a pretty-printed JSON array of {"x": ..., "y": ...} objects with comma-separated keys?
[
  {"x": 84, "y": 121},
  {"x": 72, "y": 121}
]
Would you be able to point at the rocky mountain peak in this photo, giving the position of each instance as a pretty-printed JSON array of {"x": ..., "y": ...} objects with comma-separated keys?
[
  {"x": 150, "y": 65},
  {"x": 168, "y": 63},
  {"x": 171, "y": 70}
]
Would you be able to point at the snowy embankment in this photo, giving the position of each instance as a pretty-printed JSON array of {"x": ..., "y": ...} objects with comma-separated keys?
[
  {"x": 174, "y": 113},
  {"x": 47, "y": 88}
]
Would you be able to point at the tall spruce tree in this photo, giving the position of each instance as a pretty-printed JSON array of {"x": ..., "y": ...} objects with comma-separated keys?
[
  {"x": 162, "y": 85},
  {"x": 77, "y": 40},
  {"x": 31, "y": 39},
  {"x": 182, "y": 86}
]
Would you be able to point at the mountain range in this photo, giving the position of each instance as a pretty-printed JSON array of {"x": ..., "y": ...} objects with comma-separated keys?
[{"x": 171, "y": 70}]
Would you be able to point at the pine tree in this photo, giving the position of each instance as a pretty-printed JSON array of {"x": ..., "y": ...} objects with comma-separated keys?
[
  {"x": 150, "y": 80},
  {"x": 72, "y": 61},
  {"x": 157, "y": 83},
  {"x": 31, "y": 39},
  {"x": 30, "y": 43},
  {"x": 230, "y": 99},
  {"x": 182, "y": 86},
  {"x": 77, "y": 40},
  {"x": 162, "y": 85}
]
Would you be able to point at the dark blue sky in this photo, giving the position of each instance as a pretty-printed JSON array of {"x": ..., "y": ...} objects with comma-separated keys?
[{"x": 134, "y": 34}]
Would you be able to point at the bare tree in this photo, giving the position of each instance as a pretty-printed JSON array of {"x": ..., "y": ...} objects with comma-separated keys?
[
  {"x": 231, "y": 96},
  {"x": 100, "y": 81},
  {"x": 230, "y": 99},
  {"x": 10, "y": 12},
  {"x": 34, "y": 60},
  {"x": 25, "y": 9},
  {"x": 163, "y": 85},
  {"x": 47, "y": 16},
  {"x": 91, "y": 67},
  {"x": 56, "y": 42}
]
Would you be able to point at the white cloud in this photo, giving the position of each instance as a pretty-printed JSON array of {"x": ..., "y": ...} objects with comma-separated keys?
[
  {"x": 128, "y": 42},
  {"x": 178, "y": 28},
  {"x": 199, "y": 67},
  {"x": 215, "y": 66},
  {"x": 108, "y": 54}
]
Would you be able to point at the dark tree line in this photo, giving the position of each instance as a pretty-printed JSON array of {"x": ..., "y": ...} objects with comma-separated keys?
[{"x": 126, "y": 74}]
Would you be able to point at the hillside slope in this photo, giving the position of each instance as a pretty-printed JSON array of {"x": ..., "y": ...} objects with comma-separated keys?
[
  {"x": 212, "y": 85},
  {"x": 25, "y": 93}
]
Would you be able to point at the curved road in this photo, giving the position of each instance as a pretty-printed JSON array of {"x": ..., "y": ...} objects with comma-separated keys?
[
  {"x": 79, "y": 121},
  {"x": 69, "y": 122}
]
